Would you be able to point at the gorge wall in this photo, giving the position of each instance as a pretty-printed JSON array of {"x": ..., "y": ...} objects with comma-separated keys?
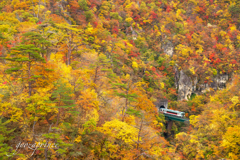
[{"x": 187, "y": 86}]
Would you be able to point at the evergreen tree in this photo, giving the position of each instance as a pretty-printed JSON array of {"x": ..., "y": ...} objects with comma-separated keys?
[{"x": 25, "y": 56}]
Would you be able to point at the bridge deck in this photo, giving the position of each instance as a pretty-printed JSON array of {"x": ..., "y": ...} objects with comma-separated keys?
[{"x": 175, "y": 118}]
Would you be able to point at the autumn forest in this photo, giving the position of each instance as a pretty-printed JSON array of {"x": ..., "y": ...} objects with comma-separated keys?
[{"x": 83, "y": 79}]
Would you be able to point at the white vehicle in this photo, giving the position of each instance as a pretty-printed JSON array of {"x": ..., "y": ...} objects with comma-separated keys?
[{"x": 172, "y": 112}]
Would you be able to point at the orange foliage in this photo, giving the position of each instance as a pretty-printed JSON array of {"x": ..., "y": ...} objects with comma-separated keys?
[{"x": 57, "y": 19}]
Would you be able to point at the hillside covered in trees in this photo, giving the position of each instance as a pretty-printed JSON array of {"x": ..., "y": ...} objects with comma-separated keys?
[{"x": 86, "y": 75}]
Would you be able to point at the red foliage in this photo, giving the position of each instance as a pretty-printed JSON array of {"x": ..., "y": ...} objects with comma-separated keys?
[
  {"x": 224, "y": 49},
  {"x": 9, "y": 46},
  {"x": 234, "y": 62},
  {"x": 5, "y": 82},
  {"x": 153, "y": 69},
  {"x": 92, "y": 5},
  {"x": 206, "y": 61},
  {"x": 115, "y": 30},
  {"x": 158, "y": 75},
  {"x": 154, "y": 15},
  {"x": 212, "y": 56},
  {"x": 168, "y": 9},
  {"x": 217, "y": 61},
  {"x": 161, "y": 68},
  {"x": 74, "y": 6},
  {"x": 95, "y": 24},
  {"x": 136, "y": 17},
  {"x": 39, "y": 22},
  {"x": 189, "y": 37},
  {"x": 132, "y": 54}
]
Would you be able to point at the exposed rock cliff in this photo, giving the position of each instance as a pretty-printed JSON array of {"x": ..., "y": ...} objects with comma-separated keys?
[
  {"x": 186, "y": 86},
  {"x": 168, "y": 48}
]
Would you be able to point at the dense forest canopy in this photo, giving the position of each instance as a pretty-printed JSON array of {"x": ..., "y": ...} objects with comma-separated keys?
[{"x": 86, "y": 75}]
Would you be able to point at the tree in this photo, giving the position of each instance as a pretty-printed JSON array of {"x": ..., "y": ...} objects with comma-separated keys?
[
  {"x": 25, "y": 56},
  {"x": 62, "y": 98},
  {"x": 124, "y": 92},
  {"x": 6, "y": 151},
  {"x": 69, "y": 39}
]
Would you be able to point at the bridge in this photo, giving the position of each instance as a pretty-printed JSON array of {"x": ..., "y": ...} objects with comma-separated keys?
[
  {"x": 175, "y": 118},
  {"x": 163, "y": 104},
  {"x": 170, "y": 118}
]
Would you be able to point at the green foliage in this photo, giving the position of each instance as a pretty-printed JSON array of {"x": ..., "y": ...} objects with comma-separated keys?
[
  {"x": 62, "y": 95},
  {"x": 5, "y": 135},
  {"x": 62, "y": 147},
  {"x": 109, "y": 75},
  {"x": 89, "y": 126},
  {"x": 192, "y": 96},
  {"x": 234, "y": 9},
  {"x": 89, "y": 15},
  {"x": 136, "y": 113},
  {"x": 116, "y": 16},
  {"x": 83, "y": 5}
]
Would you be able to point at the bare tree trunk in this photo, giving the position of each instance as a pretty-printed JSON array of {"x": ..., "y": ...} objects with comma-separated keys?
[
  {"x": 38, "y": 8},
  {"x": 96, "y": 72},
  {"x": 29, "y": 76},
  {"x": 58, "y": 116},
  {"x": 126, "y": 103},
  {"x": 140, "y": 129},
  {"x": 69, "y": 49}
]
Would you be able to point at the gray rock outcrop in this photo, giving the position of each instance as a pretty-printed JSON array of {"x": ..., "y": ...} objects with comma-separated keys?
[
  {"x": 186, "y": 86},
  {"x": 168, "y": 48}
]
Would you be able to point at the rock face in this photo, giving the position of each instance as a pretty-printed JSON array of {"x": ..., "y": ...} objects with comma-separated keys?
[
  {"x": 134, "y": 34},
  {"x": 186, "y": 86},
  {"x": 168, "y": 48}
]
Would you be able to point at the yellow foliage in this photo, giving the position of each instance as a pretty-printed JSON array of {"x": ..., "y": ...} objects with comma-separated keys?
[
  {"x": 184, "y": 50},
  {"x": 129, "y": 19},
  {"x": 192, "y": 70},
  {"x": 93, "y": 114},
  {"x": 127, "y": 76},
  {"x": 233, "y": 28},
  {"x": 156, "y": 124},
  {"x": 14, "y": 113},
  {"x": 178, "y": 15},
  {"x": 134, "y": 65},
  {"x": 162, "y": 85},
  {"x": 120, "y": 130},
  {"x": 78, "y": 139},
  {"x": 38, "y": 102},
  {"x": 130, "y": 120},
  {"x": 88, "y": 99},
  {"x": 193, "y": 120},
  {"x": 231, "y": 141},
  {"x": 235, "y": 100}
]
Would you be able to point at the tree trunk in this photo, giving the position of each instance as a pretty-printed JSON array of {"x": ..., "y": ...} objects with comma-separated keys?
[{"x": 29, "y": 76}]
